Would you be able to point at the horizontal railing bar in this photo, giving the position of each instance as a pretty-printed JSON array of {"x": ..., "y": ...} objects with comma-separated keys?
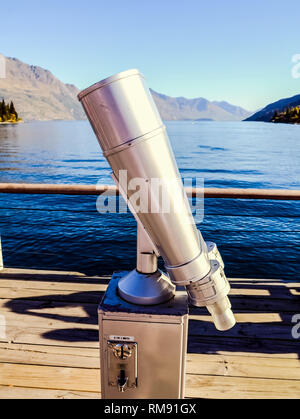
[
  {"x": 72, "y": 189},
  {"x": 281, "y": 194}
]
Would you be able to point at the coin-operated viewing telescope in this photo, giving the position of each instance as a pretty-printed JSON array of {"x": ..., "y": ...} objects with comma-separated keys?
[{"x": 142, "y": 320}]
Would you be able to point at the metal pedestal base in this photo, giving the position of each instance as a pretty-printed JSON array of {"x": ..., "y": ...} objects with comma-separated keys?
[
  {"x": 146, "y": 289},
  {"x": 142, "y": 348}
]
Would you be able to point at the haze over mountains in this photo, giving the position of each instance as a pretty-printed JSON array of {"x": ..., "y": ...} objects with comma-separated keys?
[{"x": 39, "y": 95}]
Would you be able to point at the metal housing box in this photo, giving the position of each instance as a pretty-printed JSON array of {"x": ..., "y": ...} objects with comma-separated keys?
[{"x": 154, "y": 340}]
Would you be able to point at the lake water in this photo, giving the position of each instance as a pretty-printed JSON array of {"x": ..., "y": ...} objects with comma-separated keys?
[{"x": 258, "y": 239}]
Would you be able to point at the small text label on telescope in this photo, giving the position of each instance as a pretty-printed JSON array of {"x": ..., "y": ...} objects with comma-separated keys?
[{"x": 122, "y": 338}]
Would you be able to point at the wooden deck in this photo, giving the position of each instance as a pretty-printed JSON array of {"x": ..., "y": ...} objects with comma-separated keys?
[{"x": 49, "y": 339}]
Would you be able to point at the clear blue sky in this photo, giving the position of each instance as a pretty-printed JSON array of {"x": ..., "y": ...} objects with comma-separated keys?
[{"x": 234, "y": 50}]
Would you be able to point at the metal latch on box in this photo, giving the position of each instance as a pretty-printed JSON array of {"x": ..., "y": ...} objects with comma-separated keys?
[{"x": 122, "y": 364}]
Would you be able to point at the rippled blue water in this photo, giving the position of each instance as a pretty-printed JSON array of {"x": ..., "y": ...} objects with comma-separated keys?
[{"x": 256, "y": 238}]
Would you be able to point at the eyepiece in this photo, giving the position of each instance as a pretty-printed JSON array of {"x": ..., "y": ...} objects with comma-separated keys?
[{"x": 222, "y": 315}]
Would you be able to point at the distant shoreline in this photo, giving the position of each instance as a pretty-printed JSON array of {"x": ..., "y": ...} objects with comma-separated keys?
[
  {"x": 12, "y": 122},
  {"x": 285, "y": 122},
  {"x": 81, "y": 120}
]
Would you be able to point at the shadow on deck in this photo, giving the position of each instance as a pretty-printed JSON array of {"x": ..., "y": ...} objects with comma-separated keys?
[
  {"x": 55, "y": 308},
  {"x": 275, "y": 300}
]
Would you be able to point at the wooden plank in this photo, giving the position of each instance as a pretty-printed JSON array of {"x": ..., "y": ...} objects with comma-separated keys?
[
  {"x": 50, "y": 356},
  {"x": 64, "y": 323},
  {"x": 34, "y": 290},
  {"x": 50, "y": 349},
  {"x": 19, "y": 305},
  {"x": 263, "y": 281},
  {"x": 264, "y": 304},
  {"x": 49, "y": 314},
  {"x": 287, "y": 291},
  {"x": 79, "y": 304},
  {"x": 250, "y": 317},
  {"x": 254, "y": 348},
  {"x": 37, "y": 318},
  {"x": 209, "y": 387},
  {"x": 50, "y": 275},
  {"x": 200, "y": 364},
  {"x": 20, "y": 284},
  {"x": 80, "y": 337},
  {"x": 47, "y": 320},
  {"x": 243, "y": 366},
  {"x": 12, "y": 392},
  {"x": 269, "y": 291},
  {"x": 38, "y": 274},
  {"x": 80, "y": 379},
  {"x": 50, "y": 377},
  {"x": 26, "y": 274},
  {"x": 250, "y": 347},
  {"x": 239, "y": 303},
  {"x": 203, "y": 325},
  {"x": 54, "y": 295},
  {"x": 66, "y": 276},
  {"x": 215, "y": 387},
  {"x": 54, "y": 315},
  {"x": 273, "y": 289}
]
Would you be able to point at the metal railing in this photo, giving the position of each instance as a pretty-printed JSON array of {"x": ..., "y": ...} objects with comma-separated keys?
[
  {"x": 98, "y": 189},
  {"x": 75, "y": 189}
]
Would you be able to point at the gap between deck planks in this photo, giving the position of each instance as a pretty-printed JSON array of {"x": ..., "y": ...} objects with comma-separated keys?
[{"x": 51, "y": 346}]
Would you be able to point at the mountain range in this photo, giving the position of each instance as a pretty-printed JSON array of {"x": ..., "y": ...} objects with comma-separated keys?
[
  {"x": 180, "y": 108},
  {"x": 39, "y": 95},
  {"x": 267, "y": 113}
]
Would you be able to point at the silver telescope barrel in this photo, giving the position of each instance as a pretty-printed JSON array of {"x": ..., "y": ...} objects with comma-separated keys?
[
  {"x": 134, "y": 140},
  {"x": 120, "y": 109}
]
